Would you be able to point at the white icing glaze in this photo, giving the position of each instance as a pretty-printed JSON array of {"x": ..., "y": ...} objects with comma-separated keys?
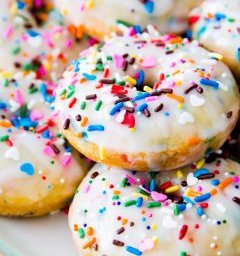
[
  {"x": 167, "y": 15},
  {"x": 201, "y": 115},
  {"x": 216, "y": 24},
  {"x": 26, "y": 47},
  {"x": 100, "y": 203}
]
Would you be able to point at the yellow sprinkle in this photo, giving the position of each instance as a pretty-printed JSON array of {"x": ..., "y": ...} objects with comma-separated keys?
[
  {"x": 147, "y": 88},
  {"x": 63, "y": 97},
  {"x": 106, "y": 184},
  {"x": 179, "y": 174},
  {"x": 172, "y": 189},
  {"x": 176, "y": 72},
  {"x": 176, "y": 97},
  {"x": 6, "y": 74},
  {"x": 141, "y": 195},
  {"x": 190, "y": 193},
  {"x": 124, "y": 221},
  {"x": 47, "y": 66},
  {"x": 179, "y": 106},
  {"x": 131, "y": 80},
  {"x": 216, "y": 56},
  {"x": 90, "y": 4},
  {"x": 84, "y": 121},
  {"x": 131, "y": 129},
  {"x": 153, "y": 226},
  {"x": 102, "y": 153},
  {"x": 200, "y": 163},
  {"x": 155, "y": 239},
  {"x": 178, "y": 83}
]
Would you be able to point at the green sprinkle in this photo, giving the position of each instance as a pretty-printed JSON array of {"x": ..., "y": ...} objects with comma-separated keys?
[
  {"x": 124, "y": 182},
  {"x": 153, "y": 175},
  {"x": 5, "y": 82},
  {"x": 81, "y": 233},
  {"x": 224, "y": 221},
  {"x": 16, "y": 50},
  {"x": 139, "y": 190},
  {"x": 125, "y": 23},
  {"x": 116, "y": 197},
  {"x": 83, "y": 105},
  {"x": 23, "y": 111},
  {"x": 231, "y": 20},
  {"x": 183, "y": 254},
  {"x": 98, "y": 105},
  {"x": 63, "y": 92},
  {"x": 33, "y": 90},
  {"x": 4, "y": 138},
  {"x": 153, "y": 204},
  {"x": 121, "y": 83},
  {"x": 85, "y": 211},
  {"x": 29, "y": 67},
  {"x": 70, "y": 94},
  {"x": 130, "y": 203},
  {"x": 109, "y": 57},
  {"x": 99, "y": 67},
  {"x": 176, "y": 210}
]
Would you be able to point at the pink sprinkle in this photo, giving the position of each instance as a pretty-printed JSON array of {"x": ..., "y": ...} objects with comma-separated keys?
[
  {"x": 69, "y": 44},
  {"x": 146, "y": 245},
  {"x": 148, "y": 62},
  {"x": 151, "y": 98},
  {"x": 86, "y": 189},
  {"x": 36, "y": 115},
  {"x": 47, "y": 150},
  {"x": 131, "y": 31},
  {"x": 158, "y": 197},
  {"x": 42, "y": 71},
  {"x": 92, "y": 41},
  {"x": 18, "y": 97},
  {"x": 236, "y": 179},
  {"x": 8, "y": 31},
  {"x": 131, "y": 180},
  {"x": 118, "y": 60},
  {"x": 199, "y": 188},
  {"x": 66, "y": 160}
]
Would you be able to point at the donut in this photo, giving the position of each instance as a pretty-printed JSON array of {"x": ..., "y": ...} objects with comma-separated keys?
[
  {"x": 146, "y": 102},
  {"x": 100, "y": 18},
  {"x": 216, "y": 25},
  {"x": 26, "y": 47},
  {"x": 39, "y": 171},
  {"x": 192, "y": 211}
]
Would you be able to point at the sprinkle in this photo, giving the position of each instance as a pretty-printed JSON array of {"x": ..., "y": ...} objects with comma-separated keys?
[
  {"x": 200, "y": 172},
  {"x": 66, "y": 124},
  {"x": 89, "y": 243},
  {"x": 183, "y": 232},
  {"x": 84, "y": 121},
  {"x": 202, "y": 198},
  {"x": 200, "y": 211},
  {"x": 238, "y": 54},
  {"x": 120, "y": 230},
  {"x": 236, "y": 200},
  {"x": 72, "y": 102},
  {"x": 149, "y": 6},
  {"x": 27, "y": 168},
  {"x": 107, "y": 81},
  {"x": 91, "y": 97},
  {"x": 139, "y": 202},
  {"x": 81, "y": 233},
  {"x": 133, "y": 250},
  {"x": 98, "y": 105},
  {"x": 89, "y": 77},
  {"x": 116, "y": 108},
  {"x": 225, "y": 183},
  {"x": 118, "y": 243},
  {"x": 131, "y": 80},
  {"x": 159, "y": 108},
  {"x": 153, "y": 204},
  {"x": 172, "y": 189},
  {"x": 176, "y": 97},
  {"x": 208, "y": 82},
  {"x": 141, "y": 96},
  {"x": 130, "y": 203},
  {"x": 142, "y": 107},
  {"x": 92, "y": 128}
]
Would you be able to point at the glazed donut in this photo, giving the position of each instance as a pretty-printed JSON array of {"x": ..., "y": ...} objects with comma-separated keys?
[
  {"x": 100, "y": 18},
  {"x": 45, "y": 50},
  {"x": 39, "y": 172},
  {"x": 143, "y": 103},
  {"x": 216, "y": 25},
  {"x": 194, "y": 211}
]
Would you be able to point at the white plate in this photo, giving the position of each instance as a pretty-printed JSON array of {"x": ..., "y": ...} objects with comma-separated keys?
[{"x": 46, "y": 236}]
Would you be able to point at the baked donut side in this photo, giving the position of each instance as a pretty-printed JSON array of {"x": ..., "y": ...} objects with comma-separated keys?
[
  {"x": 192, "y": 211},
  {"x": 143, "y": 102}
]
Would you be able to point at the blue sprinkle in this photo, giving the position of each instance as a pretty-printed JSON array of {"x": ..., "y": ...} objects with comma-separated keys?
[
  {"x": 46, "y": 97},
  {"x": 137, "y": 29},
  {"x": 200, "y": 172},
  {"x": 208, "y": 82},
  {"x": 139, "y": 202},
  {"x": 149, "y": 6},
  {"x": 89, "y": 77},
  {"x": 220, "y": 16},
  {"x": 141, "y": 96},
  {"x": 201, "y": 31},
  {"x": 92, "y": 128},
  {"x": 181, "y": 207},
  {"x": 152, "y": 185},
  {"x": 238, "y": 54},
  {"x": 133, "y": 250},
  {"x": 33, "y": 33},
  {"x": 215, "y": 182},
  {"x": 20, "y": 5},
  {"x": 27, "y": 168},
  {"x": 140, "y": 78},
  {"x": 166, "y": 113},
  {"x": 142, "y": 107},
  {"x": 200, "y": 211},
  {"x": 116, "y": 108},
  {"x": 202, "y": 198},
  {"x": 188, "y": 200},
  {"x": 46, "y": 134},
  {"x": 3, "y": 105}
]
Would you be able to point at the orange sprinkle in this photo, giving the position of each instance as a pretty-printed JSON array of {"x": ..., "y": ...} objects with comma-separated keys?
[
  {"x": 176, "y": 72},
  {"x": 89, "y": 243},
  {"x": 194, "y": 141},
  {"x": 84, "y": 121},
  {"x": 90, "y": 231},
  {"x": 176, "y": 97},
  {"x": 5, "y": 123},
  {"x": 225, "y": 183},
  {"x": 200, "y": 73},
  {"x": 191, "y": 240},
  {"x": 63, "y": 97},
  {"x": 117, "y": 192},
  {"x": 75, "y": 228},
  {"x": 82, "y": 80},
  {"x": 213, "y": 192},
  {"x": 176, "y": 40},
  {"x": 124, "y": 221},
  {"x": 79, "y": 31}
]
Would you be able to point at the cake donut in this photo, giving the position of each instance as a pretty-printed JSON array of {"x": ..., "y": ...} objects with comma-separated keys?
[
  {"x": 216, "y": 24},
  {"x": 192, "y": 211},
  {"x": 39, "y": 171},
  {"x": 100, "y": 18},
  {"x": 143, "y": 102},
  {"x": 26, "y": 47}
]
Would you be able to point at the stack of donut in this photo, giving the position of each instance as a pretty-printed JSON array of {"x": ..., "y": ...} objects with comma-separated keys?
[{"x": 152, "y": 108}]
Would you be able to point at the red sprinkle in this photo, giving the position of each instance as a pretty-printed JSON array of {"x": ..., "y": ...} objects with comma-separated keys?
[
  {"x": 166, "y": 185},
  {"x": 183, "y": 232},
  {"x": 72, "y": 102}
]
